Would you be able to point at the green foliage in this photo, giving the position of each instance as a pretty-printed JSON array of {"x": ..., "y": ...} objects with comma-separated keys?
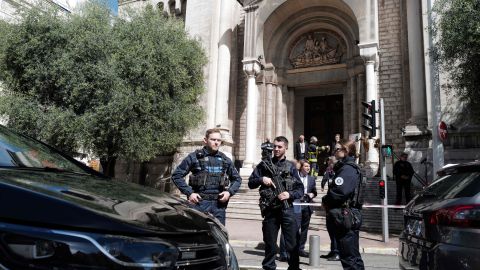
[
  {"x": 457, "y": 31},
  {"x": 124, "y": 88}
]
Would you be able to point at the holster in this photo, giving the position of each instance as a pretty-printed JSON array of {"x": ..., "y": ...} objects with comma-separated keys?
[{"x": 346, "y": 218}]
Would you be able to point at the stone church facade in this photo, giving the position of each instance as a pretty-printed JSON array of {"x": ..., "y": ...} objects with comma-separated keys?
[
  {"x": 296, "y": 67},
  {"x": 291, "y": 67}
]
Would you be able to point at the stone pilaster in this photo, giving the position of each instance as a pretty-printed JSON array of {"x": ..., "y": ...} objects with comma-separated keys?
[
  {"x": 223, "y": 73},
  {"x": 418, "y": 121},
  {"x": 271, "y": 82}
]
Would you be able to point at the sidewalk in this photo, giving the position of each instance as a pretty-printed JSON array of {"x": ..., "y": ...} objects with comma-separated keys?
[{"x": 246, "y": 238}]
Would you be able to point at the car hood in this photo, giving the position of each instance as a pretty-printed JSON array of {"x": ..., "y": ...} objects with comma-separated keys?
[{"x": 85, "y": 202}]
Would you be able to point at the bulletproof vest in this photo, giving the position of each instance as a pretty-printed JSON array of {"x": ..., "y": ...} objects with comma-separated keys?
[
  {"x": 285, "y": 177},
  {"x": 209, "y": 174}
]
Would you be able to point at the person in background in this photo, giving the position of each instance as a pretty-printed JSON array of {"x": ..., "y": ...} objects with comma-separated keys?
[
  {"x": 335, "y": 144},
  {"x": 305, "y": 213},
  {"x": 403, "y": 172},
  {"x": 329, "y": 173},
  {"x": 301, "y": 147}
]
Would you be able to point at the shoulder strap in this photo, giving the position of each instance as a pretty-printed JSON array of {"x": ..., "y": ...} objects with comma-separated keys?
[{"x": 224, "y": 162}]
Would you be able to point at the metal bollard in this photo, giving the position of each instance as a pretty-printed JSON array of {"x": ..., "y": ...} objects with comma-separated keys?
[{"x": 314, "y": 250}]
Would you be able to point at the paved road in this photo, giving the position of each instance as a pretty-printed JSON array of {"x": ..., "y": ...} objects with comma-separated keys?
[{"x": 250, "y": 258}]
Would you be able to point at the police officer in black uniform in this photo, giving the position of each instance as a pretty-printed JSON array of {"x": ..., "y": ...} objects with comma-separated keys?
[
  {"x": 209, "y": 189},
  {"x": 342, "y": 204},
  {"x": 277, "y": 211}
]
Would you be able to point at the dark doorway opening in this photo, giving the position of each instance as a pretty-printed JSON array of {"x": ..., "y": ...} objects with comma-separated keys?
[{"x": 323, "y": 118}]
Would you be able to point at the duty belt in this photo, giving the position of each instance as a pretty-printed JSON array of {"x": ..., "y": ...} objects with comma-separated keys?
[{"x": 209, "y": 196}]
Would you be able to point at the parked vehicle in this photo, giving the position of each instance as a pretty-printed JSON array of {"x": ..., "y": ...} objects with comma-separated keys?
[
  {"x": 442, "y": 223},
  {"x": 56, "y": 213}
]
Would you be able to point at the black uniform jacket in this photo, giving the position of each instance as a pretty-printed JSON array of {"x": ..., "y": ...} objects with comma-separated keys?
[{"x": 344, "y": 184}]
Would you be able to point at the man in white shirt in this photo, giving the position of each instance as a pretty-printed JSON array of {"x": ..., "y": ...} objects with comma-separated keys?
[{"x": 301, "y": 147}]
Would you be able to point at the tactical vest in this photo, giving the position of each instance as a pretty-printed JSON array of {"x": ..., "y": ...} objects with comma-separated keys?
[
  {"x": 267, "y": 194},
  {"x": 209, "y": 179}
]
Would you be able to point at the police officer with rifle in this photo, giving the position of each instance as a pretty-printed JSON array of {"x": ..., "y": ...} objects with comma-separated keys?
[
  {"x": 278, "y": 189},
  {"x": 343, "y": 203},
  {"x": 214, "y": 179}
]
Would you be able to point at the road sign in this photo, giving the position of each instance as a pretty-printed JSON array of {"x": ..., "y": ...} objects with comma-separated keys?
[{"x": 442, "y": 131}]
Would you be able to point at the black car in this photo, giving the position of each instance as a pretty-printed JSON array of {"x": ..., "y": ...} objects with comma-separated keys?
[
  {"x": 56, "y": 213},
  {"x": 442, "y": 223}
]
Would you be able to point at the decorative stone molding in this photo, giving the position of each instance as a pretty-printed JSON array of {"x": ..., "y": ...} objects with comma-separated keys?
[
  {"x": 251, "y": 67},
  {"x": 316, "y": 49},
  {"x": 369, "y": 52},
  {"x": 270, "y": 74}
]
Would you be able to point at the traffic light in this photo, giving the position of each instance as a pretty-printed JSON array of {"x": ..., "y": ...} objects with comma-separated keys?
[
  {"x": 370, "y": 118},
  {"x": 381, "y": 189},
  {"x": 387, "y": 150}
]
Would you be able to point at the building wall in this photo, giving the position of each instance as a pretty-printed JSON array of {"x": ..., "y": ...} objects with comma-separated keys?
[{"x": 393, "y": 80}]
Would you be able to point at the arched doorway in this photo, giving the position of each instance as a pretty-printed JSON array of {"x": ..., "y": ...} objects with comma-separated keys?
[{"x": 314, "y": 54}]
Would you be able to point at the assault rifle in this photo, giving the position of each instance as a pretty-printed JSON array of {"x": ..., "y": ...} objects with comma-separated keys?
[{"x": 277, "y": 177}]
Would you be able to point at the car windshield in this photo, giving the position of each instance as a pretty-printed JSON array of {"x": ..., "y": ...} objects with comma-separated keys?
[
  {"x": 466, "y": 184},
  {"x": 17, "y": 151}
]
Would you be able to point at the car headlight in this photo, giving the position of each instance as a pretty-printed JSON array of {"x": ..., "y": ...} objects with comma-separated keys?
[
  {"x": 222, "y": 239},
  {"x": 27, "y": 245}
]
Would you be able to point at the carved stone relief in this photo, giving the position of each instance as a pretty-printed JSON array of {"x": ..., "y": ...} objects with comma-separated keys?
[{"x": 316, "y": 49}]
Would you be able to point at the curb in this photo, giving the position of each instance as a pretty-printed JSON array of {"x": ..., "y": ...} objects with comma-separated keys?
[{"x": 324, "y": 248}]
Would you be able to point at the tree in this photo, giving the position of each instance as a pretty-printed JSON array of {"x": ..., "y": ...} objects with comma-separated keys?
[
  {"x": 120, "y": 87},
  {"x": 457, "y": 49}
]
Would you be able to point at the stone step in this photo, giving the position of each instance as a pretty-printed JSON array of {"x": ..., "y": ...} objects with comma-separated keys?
[{"x": 316, "y": 222}]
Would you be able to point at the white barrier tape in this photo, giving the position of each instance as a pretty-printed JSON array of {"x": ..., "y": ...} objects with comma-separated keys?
[
  {"x": 320, "y": 204},
  {"x": 382, "y": 206}
]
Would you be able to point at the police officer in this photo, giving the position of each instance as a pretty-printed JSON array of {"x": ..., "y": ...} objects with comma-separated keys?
[
  {"x": 276, "y": 214},
  {"x": 342, "y": 205},
  {"x": 208, "y": 189}
]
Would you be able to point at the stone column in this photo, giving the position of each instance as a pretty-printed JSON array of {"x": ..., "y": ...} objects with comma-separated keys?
[
  {"x": 223, "y": 72},
  {"x": 290, "y": 121},
  {"x": 279, "y": 112},
  {"x": 178, "y": 7},
  {"x": 285, "y": 101},
  {"x": 271, "y": 82},
  {"x": 372, "y": 162},
  {"x": 418, "y": 103},
  {"x": 212, "y": 70},
  {"x": 251, "y": 68}
]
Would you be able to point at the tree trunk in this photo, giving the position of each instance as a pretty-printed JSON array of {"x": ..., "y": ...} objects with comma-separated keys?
[
  {"x": 108, "y": 165},
  {"x": 143, "y": 173}
]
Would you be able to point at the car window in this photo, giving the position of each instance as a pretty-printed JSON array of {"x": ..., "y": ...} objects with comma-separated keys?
[
  {"x": 458, "y": 185},
  {"x": 22, "y": 152}
]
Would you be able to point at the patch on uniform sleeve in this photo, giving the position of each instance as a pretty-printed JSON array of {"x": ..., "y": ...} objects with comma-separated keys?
[{"x": 339, "y": 181}]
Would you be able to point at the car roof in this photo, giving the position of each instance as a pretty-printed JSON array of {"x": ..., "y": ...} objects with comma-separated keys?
[{"x": 473, "y": 166}]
